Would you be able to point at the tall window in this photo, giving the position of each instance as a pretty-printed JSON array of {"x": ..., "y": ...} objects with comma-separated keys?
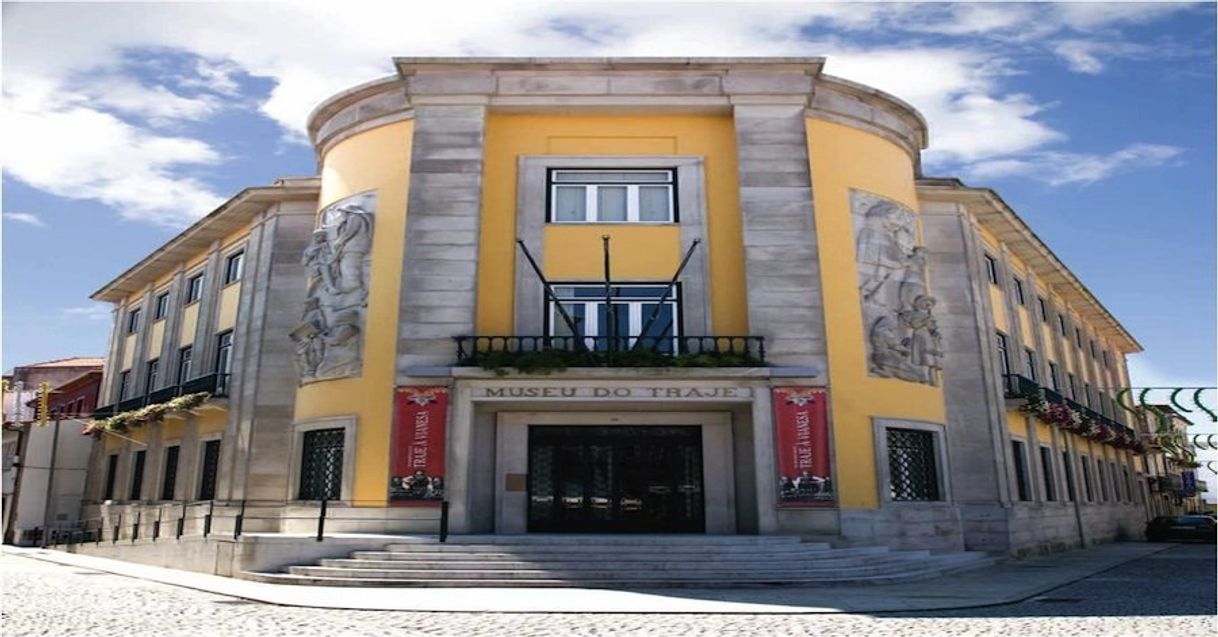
[
  {"x": 912, "y": 466},
  {"x": 1004, "y": 355},
  {"x": 133, "y": 320},
  {"x": 124, "y": 384},
  {"x": 632, "y": 309},
  {"x": 1087, "y": 479},
  {"x": 1117, "y": 492},
  {"x": 224, "y": 352},
  {"x": 1073, "y": 386},
  {"x": 1029, "y": 364},
  {"x": 1091, "y": 346},
  {"x": 1107, "y": 362},
  {"x": 169, "y": 478},
  {"x": 137, "y": 474},
  {"x": 1054, "y": 376},
  {"x": 232, "y": 267},
  {"x": 151, "y": 372},
  {"x": 161, "y": 308},
  {"x": 1068, "y": 467},
  {"x": 321, "y": 464},
  {"x": 991, "y": 269},
  {"x": 1078, "y": 337},
  {"x": 1061, "y": 324},
  {"x": 1046, "y": 468},
  {"x": 1099, "y": 475},
  {"x": 1019, "y": 456},
  {"x": 620, "y": 196},
  {"x": 1087, "y": 393},
  {"x": 194, "y": 288},
  {"x": 210, "y": 464},
  {"x": 1043, "y": 306},
  {"x": 1019, "y": 297},
  {"x": 111, "y": 474},
  {"x": 184, "y": 361}
]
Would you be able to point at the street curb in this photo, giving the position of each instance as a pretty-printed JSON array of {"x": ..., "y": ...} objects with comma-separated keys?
[{"x": 122, "y": 569}]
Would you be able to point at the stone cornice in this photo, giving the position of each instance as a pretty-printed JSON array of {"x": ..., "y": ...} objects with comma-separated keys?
[{"x": 996, "y": 216}]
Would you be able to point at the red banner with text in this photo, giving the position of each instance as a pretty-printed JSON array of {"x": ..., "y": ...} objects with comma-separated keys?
[
  {"x": 801, "y": 423},
  {"x": 417, "y": 477}
]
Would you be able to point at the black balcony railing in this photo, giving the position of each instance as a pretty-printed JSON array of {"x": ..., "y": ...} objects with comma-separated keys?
[
  {"x": 164, "y": 394},
  {"x": 130, "y": 404},
  {"x": 1016, "y": 386},
  {"x": 214, "y": 384},
  {"x": 605, "y": 351},
  {"x": 103, "y": 412}
]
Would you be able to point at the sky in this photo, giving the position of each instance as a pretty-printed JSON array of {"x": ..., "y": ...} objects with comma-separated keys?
[{"x": 122, "y": 123}]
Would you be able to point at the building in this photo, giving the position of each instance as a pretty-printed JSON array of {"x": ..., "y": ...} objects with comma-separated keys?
[
  {"x": 800, "y": 333},
  {"x": 1171, "y": 462},
  {"x": 30, "y": 451}
]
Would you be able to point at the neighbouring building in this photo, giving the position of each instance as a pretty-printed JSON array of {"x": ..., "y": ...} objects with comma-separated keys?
[
  {"x": 31, "y": 450},
  {"x": 1171, "y": 462},
  {"x": 622, "y": 295}
]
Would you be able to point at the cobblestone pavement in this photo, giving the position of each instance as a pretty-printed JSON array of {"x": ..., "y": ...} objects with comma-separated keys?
[{"x": 1168, "y": 593}]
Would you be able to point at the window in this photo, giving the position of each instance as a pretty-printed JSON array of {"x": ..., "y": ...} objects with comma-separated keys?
[
  {"x": 1078, "y": 337},
  {"x": 170, "y": 477},
  {"x": 1069, "y": 469},
  {"x": 111, "y": 474},
  {"x": 137, "y": 474},
  {"x": 1129, "y": 485},
  {"x": 194, "y": 288},
  {"x": 1117, "y": 493},
  {"x": 321, "y": 464},
  {"x": 632, "y": 309},
  {"x": 232, "y": 267},
  {"x": 133, "y": 321},
  {"x": 1073, "y": 386},
  {"x": 1046, "y": 468},
  {"x": 1019, "y": 297},
  {"x": 991, "y": 269},
  {"x": 1043, "y": 306},
  {"x": 1020, "y": 458},
  {"x": 124, "y": 384},
  {"x": 210, "y": 465},
  {"x": 161, "y": 308},
  {"x": 150, "y": 378},
  {"x": 184, "y": 361},
  {"x": 620, "y": 196},
  {"x": 1091, "y": 346},
  {"x": 1054, "y": 375},
  {"x": 1004, "y": 357},
  {"x": 224, "y": 352},
  {"x": 1099, "y": 475},
  {"x": 1029, "y": 364},
  {"x": 1087, "y": 479},
  {"x": 1061, "y": 324},
  {"x": 1087, "y": 393},
  {"x": 912, "y": 471},
  {"x": 1107, "y": 362}
]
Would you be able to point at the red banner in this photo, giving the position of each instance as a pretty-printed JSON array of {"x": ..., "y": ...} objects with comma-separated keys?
[
  {"x": 418, "y": 446},
  {"x": 801, "y": 423}
]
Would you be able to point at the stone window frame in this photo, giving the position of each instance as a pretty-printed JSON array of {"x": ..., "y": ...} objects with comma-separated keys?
[
  {"x": 879, "y": 430},
  {"x": 532, "y": 193},
  {"x": 349, "y": 426}
]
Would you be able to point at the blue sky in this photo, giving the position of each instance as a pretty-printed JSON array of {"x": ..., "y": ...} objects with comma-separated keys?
[{"x": 1096, "y": 122}]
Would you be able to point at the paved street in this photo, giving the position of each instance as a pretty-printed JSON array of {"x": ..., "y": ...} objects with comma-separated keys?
[{"x": 1168, "y": 593}]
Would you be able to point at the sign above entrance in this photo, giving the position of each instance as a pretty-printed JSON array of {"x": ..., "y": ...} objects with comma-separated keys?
[
  {"x": 418, "y": 446},
  {"x": 805, "y": 477},
  {"x": 658, "y": 392}
]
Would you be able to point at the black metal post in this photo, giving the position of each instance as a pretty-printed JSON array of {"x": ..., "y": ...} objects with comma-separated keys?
[
  {"x": 610, "y": 314},
  {"x": 443, "y": 521},
  {"x": 550, "y": 295},
  {"x": 321, "y": 519},
  {"x": 211, "y": 507},
  {"x": 135, "y": 531},
  {"x": 239, "y": 522},
  {"x": 655, "y": 314}
]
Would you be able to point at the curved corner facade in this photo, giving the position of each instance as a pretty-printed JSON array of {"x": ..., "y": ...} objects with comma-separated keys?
[{"x": 699, "y": 296}]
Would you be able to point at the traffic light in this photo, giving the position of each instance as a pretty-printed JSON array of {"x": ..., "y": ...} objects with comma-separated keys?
[{"x": 44, "y": 403}]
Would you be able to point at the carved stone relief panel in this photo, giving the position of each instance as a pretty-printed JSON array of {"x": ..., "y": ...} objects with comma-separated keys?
[
  {"x": 898, "y": 311},
  {"x": 330, "y": 338}
]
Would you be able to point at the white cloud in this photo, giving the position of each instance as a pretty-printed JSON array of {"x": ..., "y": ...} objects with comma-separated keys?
[
  {"x": 26, "y": 218},
  {"x": 1058, "y": 168},
  {"x": 92, "y": 312}
]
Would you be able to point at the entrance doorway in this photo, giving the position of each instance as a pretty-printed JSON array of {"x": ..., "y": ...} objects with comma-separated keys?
[{"x": 615, "y": 479}]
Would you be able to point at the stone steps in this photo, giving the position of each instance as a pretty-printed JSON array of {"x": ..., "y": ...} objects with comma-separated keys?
[{"x": 622, "y": 562}]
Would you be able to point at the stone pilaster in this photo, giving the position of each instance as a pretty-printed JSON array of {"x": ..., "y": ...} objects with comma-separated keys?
[{"x": 204, "y": 349}]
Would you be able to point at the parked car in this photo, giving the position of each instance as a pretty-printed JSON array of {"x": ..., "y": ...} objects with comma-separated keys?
[{"x": 1182, "y": 527}]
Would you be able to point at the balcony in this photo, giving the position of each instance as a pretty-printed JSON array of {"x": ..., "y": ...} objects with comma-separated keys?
[
  {"x": 214, "y": 384},
  {"x": 548, "y": 353},
  {"x": 1020, "y": 388}
]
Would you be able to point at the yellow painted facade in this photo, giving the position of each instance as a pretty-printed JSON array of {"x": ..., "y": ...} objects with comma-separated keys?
[
  {"x": 642, "y": 253},
  {"x": 190, "y": 320},
  {"x": 842, "y": 159},
  {"x": 226, "y": 317},
  {"x": 155, "y": 337},
  {"x": 378, "y": 159},
  {"x": 128, "y": 350}
]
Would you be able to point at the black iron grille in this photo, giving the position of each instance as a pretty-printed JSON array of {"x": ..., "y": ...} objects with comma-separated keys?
[
  {"x": 321, "y": 464},
  {"x": 211, "y": 462},
  {"x": 911, "y": 465},
  {"x": 137, "y": 475},
  {"x": 171, "y": 473}
]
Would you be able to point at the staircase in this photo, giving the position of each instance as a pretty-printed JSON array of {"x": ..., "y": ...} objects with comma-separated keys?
[{"x": 599, "y": 561}]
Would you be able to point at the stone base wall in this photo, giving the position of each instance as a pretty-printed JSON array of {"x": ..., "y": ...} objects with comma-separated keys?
[
  {"x": 929, "y": 527},
  {"x": 1038, "y": 528}
]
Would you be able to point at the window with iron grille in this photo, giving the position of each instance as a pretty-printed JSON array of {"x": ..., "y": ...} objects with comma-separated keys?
[
  {"x": 111, "y": 474},
  {"x": 211, "y": 463},
  {"x": 1046, "y": 467},
  {"x": 137, "y": 474},
  {"x": 1021, "y": 470},
  {"x": 1069, "y": 469},
  {"x": 170, "y": 478},
  {"x": 321, "y": 464},
  {"x": 912, "y": 471}
]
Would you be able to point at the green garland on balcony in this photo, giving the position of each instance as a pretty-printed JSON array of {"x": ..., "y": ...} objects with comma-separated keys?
[{"x": 127, "y": 420}]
